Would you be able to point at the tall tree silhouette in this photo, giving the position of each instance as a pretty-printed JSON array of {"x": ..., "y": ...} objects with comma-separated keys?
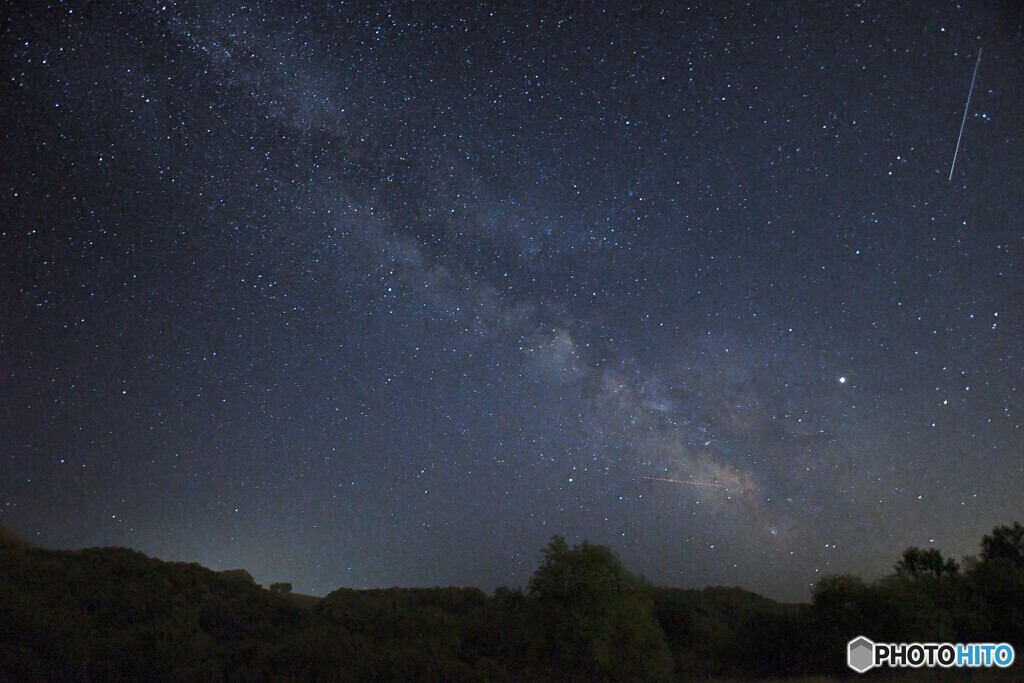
[
  {"x": 1006, "y": 542},
  {"x": 598, "y": 620},
  {"x": 916, "y": 562}
]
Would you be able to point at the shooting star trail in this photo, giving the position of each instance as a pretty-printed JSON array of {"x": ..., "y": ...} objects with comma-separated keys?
[
  {"x": 684, "y": 481},
  {"x": 966, "y": 107}
]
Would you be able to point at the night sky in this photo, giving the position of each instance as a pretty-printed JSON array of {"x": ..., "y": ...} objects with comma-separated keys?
[{"x": 389, "y": 294}]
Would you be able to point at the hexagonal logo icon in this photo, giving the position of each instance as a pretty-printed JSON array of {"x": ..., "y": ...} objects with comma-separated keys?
[{"x": 860, "y": 654}]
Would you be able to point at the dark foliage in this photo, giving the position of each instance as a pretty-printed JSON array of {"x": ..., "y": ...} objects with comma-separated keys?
[
  {"x": 596, "y": 620},
  {"x": 9, "y": 539},
  {"x": 1005, "y": 543},
  {"x": 115, "y": 614},
  {"x": 916, "y": 562},
  {"x": 726, "y": 631},
  {"x": 928, "y": 600}
]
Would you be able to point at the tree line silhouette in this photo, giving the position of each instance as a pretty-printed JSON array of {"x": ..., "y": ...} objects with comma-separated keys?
[{"x": 115, "y": 614}]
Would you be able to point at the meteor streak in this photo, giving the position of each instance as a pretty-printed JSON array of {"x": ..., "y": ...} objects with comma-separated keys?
[
  {"x": 966, "y": 107},
  {"x": 684, "y": 481}
]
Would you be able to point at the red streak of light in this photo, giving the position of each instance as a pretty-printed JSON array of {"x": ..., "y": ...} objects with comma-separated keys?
[{"x": 684, "y": 481}]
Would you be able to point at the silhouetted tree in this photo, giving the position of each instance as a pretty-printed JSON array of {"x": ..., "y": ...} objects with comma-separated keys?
[
  {"x": 1006, "y": 542},
  {"x": 281, "y": 588},
  {"x": 598, "y": 622},
  {"x": 997, "y": 582},
  {"x": 916, "y": 562}
]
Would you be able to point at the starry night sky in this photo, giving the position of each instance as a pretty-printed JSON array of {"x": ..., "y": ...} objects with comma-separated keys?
[{"x": 388, "y": 294}]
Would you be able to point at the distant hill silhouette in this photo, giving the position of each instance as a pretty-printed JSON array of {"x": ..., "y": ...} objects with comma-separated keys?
[
  {"x": 306, "y": 602},
  {"x": 9, "y": 539},
  {"x": 237, "y": 575}
]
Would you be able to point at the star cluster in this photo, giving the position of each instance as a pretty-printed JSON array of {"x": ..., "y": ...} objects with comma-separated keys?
[{"x": 389, "y": 293}]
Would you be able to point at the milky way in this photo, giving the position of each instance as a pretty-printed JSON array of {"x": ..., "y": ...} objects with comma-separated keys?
[{"x": 389, "y": 294}]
